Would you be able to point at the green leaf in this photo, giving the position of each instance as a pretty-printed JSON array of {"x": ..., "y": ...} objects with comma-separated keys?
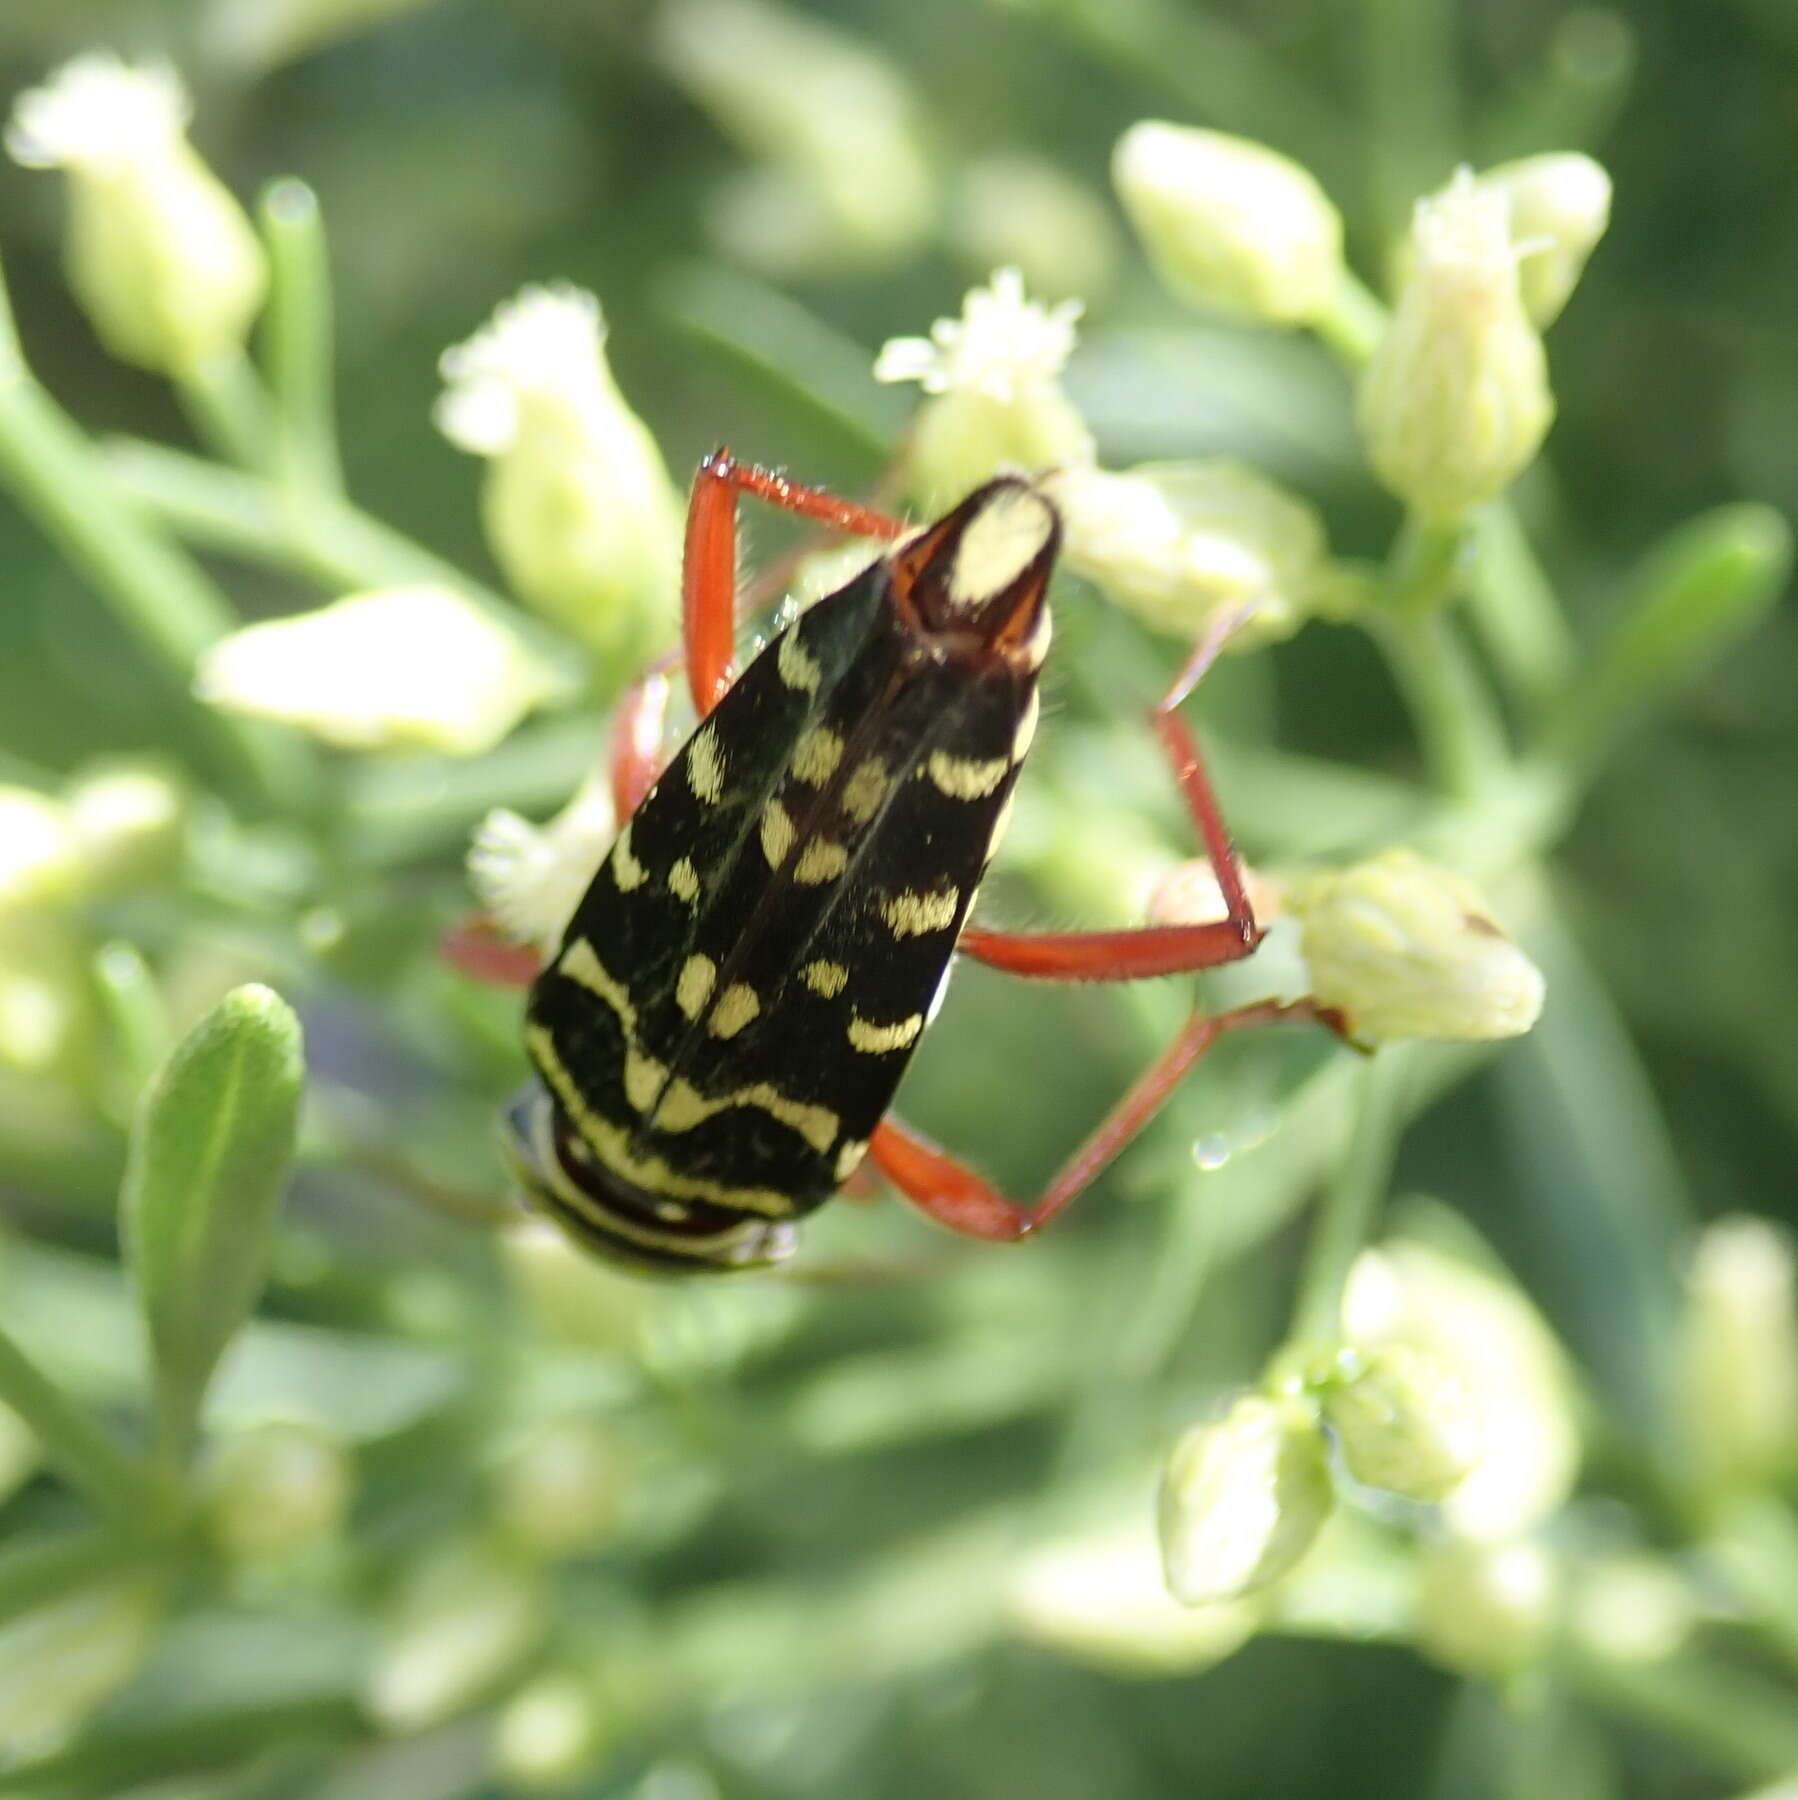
[
  {"x": 1701, "y": 589},
  {"x": 208, "y": 1160}
]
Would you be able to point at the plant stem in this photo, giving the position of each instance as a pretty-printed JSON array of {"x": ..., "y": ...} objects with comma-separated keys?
[
  {"x": 51, "y": 1568},
  {"x": 1515, "y": 610},
  {"x": 298, "y": 338},
  {"x": 1457, "y": 727},
  {"x": 228, "y": 408},
  {"x": 75, "y": 1446},
  {"x": 1742, "y": 1721},
  {"x": 1345, "y": 1220},
  {"x": 155, "y": 591},
  {"x": 1354, "y": 322}
]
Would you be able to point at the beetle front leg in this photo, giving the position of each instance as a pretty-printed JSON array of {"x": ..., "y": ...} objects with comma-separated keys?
[
  {"x": 951, "y": 1193},
  {"x": 709, "y": 562},
  {"x": 1132, "y": 955}
]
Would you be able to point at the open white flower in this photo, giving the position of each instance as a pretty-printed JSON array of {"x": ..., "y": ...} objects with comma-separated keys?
[
  {"x": 416, "y": 668},
  {"x": 160, "y": 256},
  {"x": 530, "y": 878},
  {"x": 577, "y": 503},
  {"x": 996, "y": 399}
]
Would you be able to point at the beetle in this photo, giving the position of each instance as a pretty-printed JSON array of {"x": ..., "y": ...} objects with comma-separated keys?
[{"x": 718, "y": 1038}]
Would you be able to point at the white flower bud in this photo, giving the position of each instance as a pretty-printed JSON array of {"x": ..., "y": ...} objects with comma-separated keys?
[
  {"x": 128, "y": 818},
  {"x": 530, "y": 878},
  {"x": 46, "y": 999},
  {"x": 1403, "y": 1420},
  {"x": 1242, "y": 1499},
  {"x": 1507, "y": 1364},
  {"x": 557, "y": 1492},
  {"x": 844, "y": 178},
  {"x": 414, "y": 668},
  {"x": 577, "y": 504},
  {"x": 160, "y": 256},
  {"x": 1455, "y": 402},
  {"x": 1230, "y": 224},
  {"x": 1633, "y": 1609},
  {"x": 276, "y": 1491},
  {"x": 1028, "y": 214},
  {"x": 549, "y": 1736},
  {"x": 465, "y": 1621},
  {"x": 1560, "y": 206},
  {"x": 1176, "y": 543},
  {"x": 1738, "y": 1354},
  {"x": 60, "y": 1660},
  {"x": 1103, "y": 1600},
  {"x": 573, "y": 1297},
  {"x": 1402, "y": 949},
  {"x": 40, "y": 853},
  {"x": 1486, "y": 1609},
  {"x": 995, "y": 399}
]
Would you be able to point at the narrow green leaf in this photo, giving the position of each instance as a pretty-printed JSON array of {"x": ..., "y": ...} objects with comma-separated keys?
[
  {"x": 1702, "y": 588},
  {"x": 208, "y": 1160}
]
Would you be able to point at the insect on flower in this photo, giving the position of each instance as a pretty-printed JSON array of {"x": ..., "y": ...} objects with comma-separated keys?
[{"x": 718, "y": 1037}]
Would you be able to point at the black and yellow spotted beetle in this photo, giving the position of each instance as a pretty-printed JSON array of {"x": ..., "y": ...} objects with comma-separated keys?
[{"x": 719, "y": 1035}]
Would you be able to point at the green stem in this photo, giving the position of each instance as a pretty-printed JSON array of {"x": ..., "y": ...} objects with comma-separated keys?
[
  {"x": 1515, "y": 609},
  {"x": 323, "y": 536},
  {"x": 1740, "y": 1720},
  {"x": 228, "y": 408},
  {"x": 49, "y": 1569},
  {"x": 1353, "y": 323},
  {"x": 1457, "y": 726},
  {"x": 75, "y": 1446},
  {"x": 155, "y": 591},
  {"x": 1345, "y": 1221},
  {"x": 298, "y": 338},
  {"x": 126, "y": 1756}
]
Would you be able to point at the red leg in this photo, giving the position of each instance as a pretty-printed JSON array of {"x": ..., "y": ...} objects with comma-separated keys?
[
  {"x": 1150, "y": 949},
  {"x": 952, "y": 1194},
  {"x": 635, "y": 750},
  {"x": 709, "y": 568}
]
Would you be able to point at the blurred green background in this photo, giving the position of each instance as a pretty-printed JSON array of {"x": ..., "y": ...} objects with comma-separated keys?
[{"x": 787, "y": 1511}]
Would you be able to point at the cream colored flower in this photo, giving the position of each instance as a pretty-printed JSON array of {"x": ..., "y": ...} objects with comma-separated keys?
[
  {"x": 160, "y": 256},
  {"x": 530, "y": 878},
  {"x": 1230, "y": 224},
  {"x": 396, "y": 669},
  {"x": 577, "y": 503},
  {"x": 995, "y": 396}
]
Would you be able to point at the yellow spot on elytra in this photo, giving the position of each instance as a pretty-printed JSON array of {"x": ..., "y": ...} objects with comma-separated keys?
[
  {"x": 1025, "y": 735},
  {"x": 1000, "y": 821},
  {"x": 612, "y": 1143},
  {"x": 627, "y": 872},
  {"x": 849, "y": 1157},
  {"x": 684, "y": 1106},
  {"x": 827, "y": 979},
  {"x": 816, "y": 755},
  {"x": 820, "y": 860},
  {"x": 580, "y": 962},
  {"x": 644, "y": 1078},
  {"x": 777, "y": 833},
  {"x": 912, "y": 914},
  {"x": 966, "y": 777},
  {"x": 877, "y": 1040},
  {"x": 865, "y": 789},
  {"x": 798, "y": 667},
  {"x": 683, "y": 880},
  {"x": 694, "y": 987},
  {"x": 705, "y": 765},
  {"x": 737, "y": 1005}
]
